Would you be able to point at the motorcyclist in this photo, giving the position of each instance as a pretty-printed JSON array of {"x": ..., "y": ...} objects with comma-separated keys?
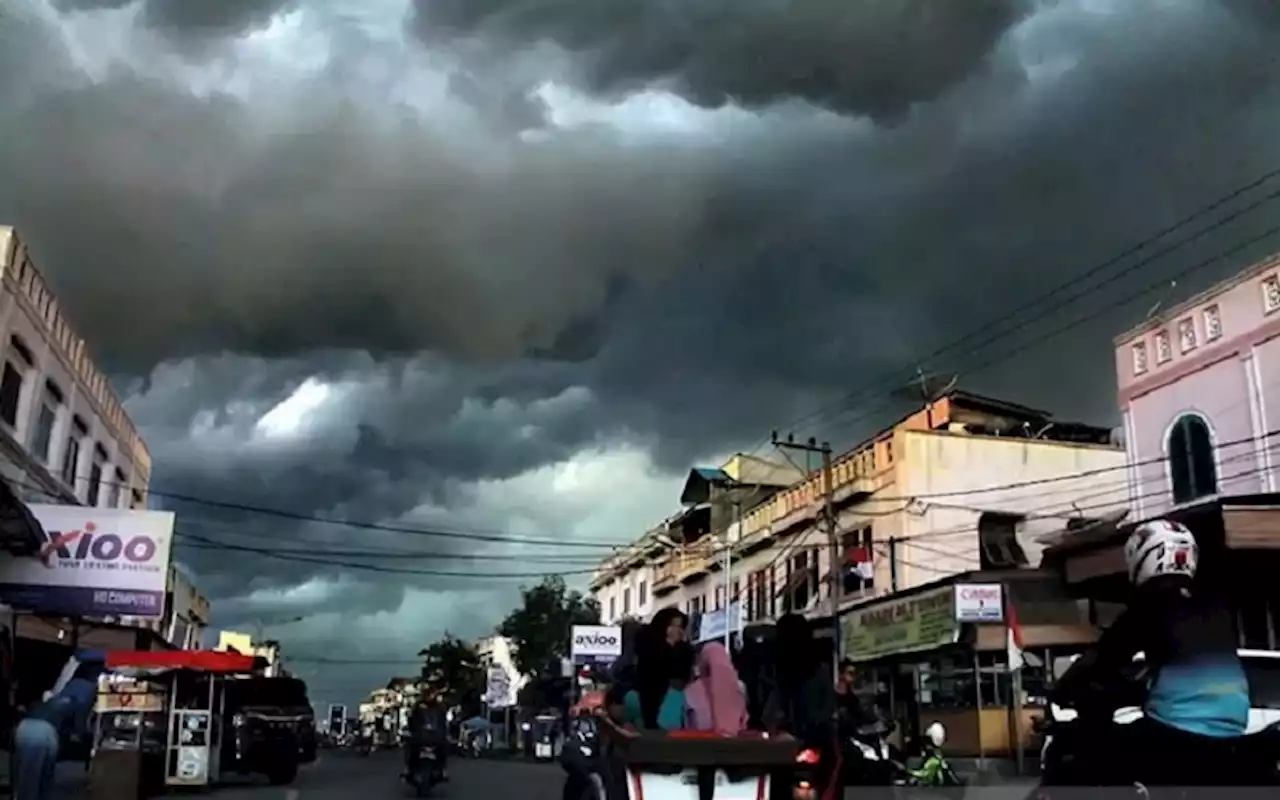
[
  {"x": 427, "y": 728},
  {"x": 1197, "y": 703}
]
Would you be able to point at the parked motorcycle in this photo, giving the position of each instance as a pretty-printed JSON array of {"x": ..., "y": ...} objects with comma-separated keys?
[{"x": 871, "y": 760}]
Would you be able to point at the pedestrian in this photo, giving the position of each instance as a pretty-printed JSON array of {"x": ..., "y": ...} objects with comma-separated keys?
[
  {"x": 64, "y": 713},
  {"x": 716, "y": 700}
]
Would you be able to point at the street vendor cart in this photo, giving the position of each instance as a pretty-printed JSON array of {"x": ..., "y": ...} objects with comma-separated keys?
[{"x": 199, "y": 735}]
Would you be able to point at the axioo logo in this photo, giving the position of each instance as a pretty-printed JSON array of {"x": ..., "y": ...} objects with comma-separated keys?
[
  {"x": 595, "y": 640},
  {"x": 89, "y": 545}
]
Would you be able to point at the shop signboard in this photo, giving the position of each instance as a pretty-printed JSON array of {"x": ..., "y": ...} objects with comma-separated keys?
[
  {"x": 93, "y": 562},
  {"x": 979, "y": 602},
  {"x": 595, "y": 644},
  {"x": 910, "y": 624}
]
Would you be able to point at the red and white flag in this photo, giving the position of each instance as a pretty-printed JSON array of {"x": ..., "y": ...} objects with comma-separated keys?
[
  {"x": 1013, "y": 641},
  {"x": 858, "y": 563}
]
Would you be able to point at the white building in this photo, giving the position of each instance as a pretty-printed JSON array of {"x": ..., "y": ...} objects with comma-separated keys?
[{"x": 64, "y": 435}]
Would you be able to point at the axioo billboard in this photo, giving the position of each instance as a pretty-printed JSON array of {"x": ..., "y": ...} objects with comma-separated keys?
[{"x": 94, "y": 562}]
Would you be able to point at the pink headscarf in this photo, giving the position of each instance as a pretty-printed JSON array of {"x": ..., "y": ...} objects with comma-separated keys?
[{"x": 716, "y": 701}]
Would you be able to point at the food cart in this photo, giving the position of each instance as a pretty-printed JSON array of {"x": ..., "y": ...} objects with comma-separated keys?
[{"x": 161, "y": 720}]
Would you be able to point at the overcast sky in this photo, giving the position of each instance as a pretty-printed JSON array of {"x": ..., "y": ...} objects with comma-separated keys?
[{"x": 512, "y": 266}]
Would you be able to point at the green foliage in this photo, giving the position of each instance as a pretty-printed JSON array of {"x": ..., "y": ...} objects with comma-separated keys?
[
  {"x": 540, "y": 626},
  {"x": 451, "y": 668}
]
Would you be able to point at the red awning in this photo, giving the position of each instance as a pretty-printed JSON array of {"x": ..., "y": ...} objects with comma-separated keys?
[{"x": 166, "y": 660}]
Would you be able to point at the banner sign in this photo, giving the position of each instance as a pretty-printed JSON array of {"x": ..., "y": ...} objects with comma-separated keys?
[
  {"x": 93, "y": 562},
  {"x": 713, "y": 625},
  {"x": 595, "y": 644},
  {"x": 904, "y": 625},
  {"x": 979, "y": 602},
  {"x": 498, "y": 688},
  {"x": 337, "y": 719}
]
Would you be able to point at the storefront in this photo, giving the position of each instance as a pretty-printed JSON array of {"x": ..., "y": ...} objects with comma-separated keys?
[{"x": 925, "y": 657}]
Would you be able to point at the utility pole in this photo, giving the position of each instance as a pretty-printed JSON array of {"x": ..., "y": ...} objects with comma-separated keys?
[{"x": 833, "y": 533}]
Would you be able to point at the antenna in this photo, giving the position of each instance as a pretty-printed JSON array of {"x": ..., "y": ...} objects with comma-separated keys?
[{"x": 1155, "y": 309}]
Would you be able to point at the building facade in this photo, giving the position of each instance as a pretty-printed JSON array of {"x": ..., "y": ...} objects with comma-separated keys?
[
  {"x": 64, "y": 435},
  {"x": 1199, "y": 390},
  {"x": 968, "y": 483}
]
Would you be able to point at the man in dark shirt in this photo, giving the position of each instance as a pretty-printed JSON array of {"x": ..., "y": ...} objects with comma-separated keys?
[{"x": 427, "y": 727}]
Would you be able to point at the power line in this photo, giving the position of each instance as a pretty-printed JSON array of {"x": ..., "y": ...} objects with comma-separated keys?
[
  {"x": 477, "y": 536},
  {"x": 895, "y": 378},
  {"x": 268, "y": 553}
]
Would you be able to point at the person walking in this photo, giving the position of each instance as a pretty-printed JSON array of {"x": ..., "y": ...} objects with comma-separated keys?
[{"x": 63, "y": 713}]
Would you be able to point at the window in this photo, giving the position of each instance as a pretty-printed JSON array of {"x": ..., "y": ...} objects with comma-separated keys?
[
  {"x": 642, "y": 595},
  {"x": 10, "y": 391},
  {"x": 613, "y": 608},
  {"x": 1164, "y": 349},
  {"x": 626, "y": 601},
  {"x": 855, "y": 545},
  {"x": 1212, "y": 323},
  {"x": 1193, "y": 471},
  {"x": 762, "y": 600},
  {"x": 71, "y": 456},
  {"x": 42, "y": 435},
  {"x": 802, "y": 581},
  {"x": 737, "y": 593},
  {"x": 116, "y": 488},
  {"x": 1139, "y": 358},
  {"x": 998, "y": 538},
  {"x": 1270, "y": 294},
  {"x": 95, "y": 474},
  {"x": 1187, "y": 335},
  {"x": 719, "y": 597}
]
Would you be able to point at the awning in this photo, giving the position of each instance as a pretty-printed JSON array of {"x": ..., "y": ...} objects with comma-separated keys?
[
  {"x": 158, "y": 661},
  {"x": 20, "y": 532}
]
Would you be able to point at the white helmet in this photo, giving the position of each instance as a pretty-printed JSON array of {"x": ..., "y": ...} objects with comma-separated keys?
[
  {"x": 1160, "y": 547},
  {"x": 936, "y": 733}
]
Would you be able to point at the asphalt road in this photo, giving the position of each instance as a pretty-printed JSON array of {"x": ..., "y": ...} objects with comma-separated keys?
[{"x": 339, "y": 775}]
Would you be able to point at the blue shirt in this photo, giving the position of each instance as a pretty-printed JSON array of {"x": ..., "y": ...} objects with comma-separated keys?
[
  {"x": 68, "y": 710},
  {"x": 671, "y": 713}
]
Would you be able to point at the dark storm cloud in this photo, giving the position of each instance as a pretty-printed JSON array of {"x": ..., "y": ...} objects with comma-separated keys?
[
  {"x": 212, "y": 17},
  {"x": 193, "y": 19},
  {"x": 861, "y": 56}
]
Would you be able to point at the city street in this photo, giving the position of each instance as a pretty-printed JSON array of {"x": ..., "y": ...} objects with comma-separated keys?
[{"x": 339, "y": 775}]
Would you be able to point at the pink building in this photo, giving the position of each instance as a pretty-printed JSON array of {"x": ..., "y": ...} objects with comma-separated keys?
[{"x": 1200, "y": 395}]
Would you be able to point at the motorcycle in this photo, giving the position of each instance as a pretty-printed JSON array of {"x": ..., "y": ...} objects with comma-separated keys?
[
  {"x": 583, "y": 760},
  {"x": 1081, "y": 737},
  {"x": 426, "y": 771},
  {"x": 874, "y": 762}
]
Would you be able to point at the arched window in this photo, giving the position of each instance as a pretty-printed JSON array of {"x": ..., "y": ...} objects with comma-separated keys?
[{"x": 1192, "y": 467}]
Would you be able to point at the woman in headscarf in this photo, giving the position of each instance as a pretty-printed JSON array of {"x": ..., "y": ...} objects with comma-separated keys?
[
  {"x": 803, "y": 700},
  {"x": 664, "y": 663},
  {"x": 716, "y": 699}
]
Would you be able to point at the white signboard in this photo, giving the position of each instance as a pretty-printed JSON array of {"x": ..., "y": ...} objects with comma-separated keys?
[
  {"x": 713, "y": 625},
  {"x": 979, "y": 602},
  {"x": 684, "y": 786},
  {"x": 93, "y": 562},
  {"x": 595, "y": 643}
]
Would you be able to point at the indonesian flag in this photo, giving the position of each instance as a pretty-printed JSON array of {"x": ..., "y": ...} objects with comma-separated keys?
[
  {"x": 1013, "y": 642},
  {"x": 858, "y": 561}
]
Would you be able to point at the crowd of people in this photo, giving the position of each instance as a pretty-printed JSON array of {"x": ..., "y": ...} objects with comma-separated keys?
[{"x": 663, "y": 682}]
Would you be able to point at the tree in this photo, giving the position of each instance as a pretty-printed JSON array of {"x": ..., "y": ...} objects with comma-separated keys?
[
  {"x": 451, "y": 667},
  {"x": 540, "y": 627}
]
